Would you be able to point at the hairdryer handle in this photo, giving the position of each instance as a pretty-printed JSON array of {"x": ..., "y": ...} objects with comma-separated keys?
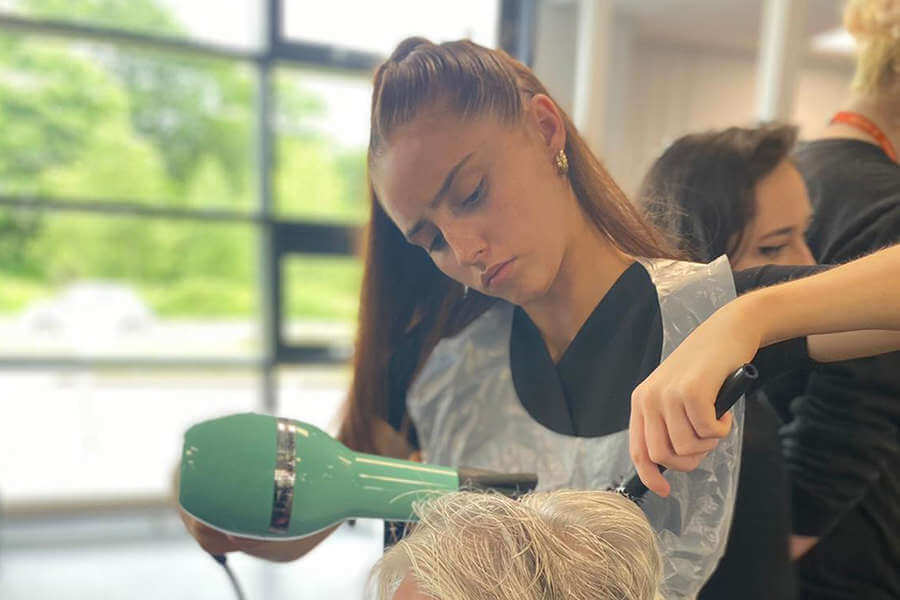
[
  {"x": 508, "y": 484},
  {"x": 737, "y": 384}
]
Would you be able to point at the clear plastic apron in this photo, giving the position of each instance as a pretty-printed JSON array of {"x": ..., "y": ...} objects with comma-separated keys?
[{"x": 466, "y": 413}]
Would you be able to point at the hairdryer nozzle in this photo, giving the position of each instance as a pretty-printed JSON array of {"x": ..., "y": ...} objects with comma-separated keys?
[{"x": 227, "y": 469}]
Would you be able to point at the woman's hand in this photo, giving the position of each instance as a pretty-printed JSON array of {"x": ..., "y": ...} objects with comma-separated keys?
[
  {"x": 216, "y": 542},
  {"x": 213, "y": 540},
  {"x": 673, "y": 418}
]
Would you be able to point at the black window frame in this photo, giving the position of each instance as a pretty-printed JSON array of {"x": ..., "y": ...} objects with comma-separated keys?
[{"x": 279, "y": 238}]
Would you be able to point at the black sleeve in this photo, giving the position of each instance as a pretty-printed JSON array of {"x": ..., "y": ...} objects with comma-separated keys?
[
  {"x": 844, "y": 438},
  {"x": 778, "y": 362},
  {"x": 843, "y": 435},
  {"x": 787, "y": 357},
  {"x": 400, "y": 373}
]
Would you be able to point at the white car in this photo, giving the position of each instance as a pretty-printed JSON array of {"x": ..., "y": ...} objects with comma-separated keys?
[{"x": 93, "y": 306}]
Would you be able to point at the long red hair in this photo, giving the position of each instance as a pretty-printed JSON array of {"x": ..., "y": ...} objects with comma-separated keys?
[{"x": 401, "y": 287}]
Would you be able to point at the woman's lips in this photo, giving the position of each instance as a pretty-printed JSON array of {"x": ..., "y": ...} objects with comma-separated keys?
[{"x": 496, "y": 274}]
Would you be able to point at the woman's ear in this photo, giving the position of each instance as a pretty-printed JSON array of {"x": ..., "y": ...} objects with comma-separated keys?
[{"x": 549, "y": 121}]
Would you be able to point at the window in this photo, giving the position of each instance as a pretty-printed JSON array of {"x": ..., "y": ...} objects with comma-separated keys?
[
  {"x": 76, "y": 437},
  {"x": 181, "y": 193},
  {"x": 322, "y": 131},
  {"x": 106, "y": 286},
  {"x": 93, "y": 120},
  {"x": 320, "y": 297},
  {"x": 236, "y": 23},
  {"x": 379, "y": 26}
]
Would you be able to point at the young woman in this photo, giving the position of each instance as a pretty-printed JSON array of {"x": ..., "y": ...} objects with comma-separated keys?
[
  {"x": 513, "y": 299},
  {"x": 733, "y": 191}
]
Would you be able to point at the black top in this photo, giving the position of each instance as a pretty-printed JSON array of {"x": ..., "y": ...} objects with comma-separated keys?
[
  {"x": 842, "y": 447},
  {"x": 616, "y": 348},
  {"x": 855, "y": 192},
  {"x": 587, "y": 393}
]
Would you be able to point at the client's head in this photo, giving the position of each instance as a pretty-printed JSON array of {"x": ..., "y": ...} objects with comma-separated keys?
[{"x": 565, "y": 544}]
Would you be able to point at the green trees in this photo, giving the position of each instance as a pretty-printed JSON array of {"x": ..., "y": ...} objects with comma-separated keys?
[{"x": 87, "y": 120}]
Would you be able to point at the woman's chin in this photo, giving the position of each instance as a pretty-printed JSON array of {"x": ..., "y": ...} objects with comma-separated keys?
[{"x": 521, "y": 296}]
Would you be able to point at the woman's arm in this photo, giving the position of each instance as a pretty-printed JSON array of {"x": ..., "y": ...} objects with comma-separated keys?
[
  {"x": 856, "y": 297},
  {"x": 831, "y": 347},
  {"x": 673, "y": 419}
]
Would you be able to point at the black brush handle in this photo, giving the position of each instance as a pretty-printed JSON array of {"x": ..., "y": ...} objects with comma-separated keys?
[
  {"x": 734, "y": 387},
  {"x": 508, "y": 484}
]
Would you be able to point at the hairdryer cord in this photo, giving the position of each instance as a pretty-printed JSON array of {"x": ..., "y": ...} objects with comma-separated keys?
[{"x": 221, "y": 559}]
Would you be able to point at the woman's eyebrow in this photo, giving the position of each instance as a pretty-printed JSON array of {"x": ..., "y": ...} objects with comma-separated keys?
[
  {"x": 781, "y": 231},
  {"x": 435, "y": 202}
]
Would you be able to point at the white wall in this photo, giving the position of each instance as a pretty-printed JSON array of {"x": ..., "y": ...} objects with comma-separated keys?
[
  {"x": 822, "y": 90},
  {"x": 665, "y": 89},
  {"x": 675, "y": 90},
  {"x": 554, "y": 52}
]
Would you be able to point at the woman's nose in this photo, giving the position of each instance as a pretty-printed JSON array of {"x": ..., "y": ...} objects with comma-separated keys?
[{"x": 469, "y": 248}]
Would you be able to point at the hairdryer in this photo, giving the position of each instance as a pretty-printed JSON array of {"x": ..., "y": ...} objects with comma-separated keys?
[{"x": 264, "y": 477}]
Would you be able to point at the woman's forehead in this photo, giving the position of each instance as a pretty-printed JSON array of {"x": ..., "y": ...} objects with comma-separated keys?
[
  {"x": 782, "y": 196},
  {"x": 418, "y": 157},
  {"x": 431, "y": 140}
]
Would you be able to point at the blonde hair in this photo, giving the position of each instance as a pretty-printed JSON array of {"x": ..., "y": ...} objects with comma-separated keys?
[
  {"x": 566, "y": 544},
  {"x": 876, "y": 26}
]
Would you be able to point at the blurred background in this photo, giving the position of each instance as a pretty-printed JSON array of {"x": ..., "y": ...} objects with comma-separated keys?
[{"x": 182, "y": 185}]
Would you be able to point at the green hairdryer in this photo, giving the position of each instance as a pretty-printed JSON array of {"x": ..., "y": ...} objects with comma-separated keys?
[{"x": 265, "y": 477}]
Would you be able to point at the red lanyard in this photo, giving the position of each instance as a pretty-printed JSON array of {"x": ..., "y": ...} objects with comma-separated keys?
[{"x": 860, "y": 122}]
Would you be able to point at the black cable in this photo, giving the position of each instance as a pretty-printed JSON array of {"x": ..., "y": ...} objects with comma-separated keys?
[{"x": 222, "y": 560}]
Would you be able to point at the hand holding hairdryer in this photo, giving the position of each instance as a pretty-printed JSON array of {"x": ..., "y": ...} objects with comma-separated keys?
[{"x": 264, "y": 477}]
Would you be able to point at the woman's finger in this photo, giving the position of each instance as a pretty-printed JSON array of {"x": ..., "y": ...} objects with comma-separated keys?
[
  {"x": 684, "y": 439},
  {"x": 647, "y": 470},
  {"x": 214, "y": 542},
  {"x": 701, "y": 412},
  {"x": 659, "y": 446},
  {"x": 686, "y": 463},
  {"x": 211, "y": 540},
  {"x": 246, "y": 544}
]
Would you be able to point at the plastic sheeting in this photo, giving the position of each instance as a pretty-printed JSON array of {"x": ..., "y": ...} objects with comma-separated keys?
[{"x": 466, "y": 413}]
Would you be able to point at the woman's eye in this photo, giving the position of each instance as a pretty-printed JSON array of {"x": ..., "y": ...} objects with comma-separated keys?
[
  {"x": 437, "y": 243},
  {"x": 475, "y": 196},
  {"x": 771, "y": 251}
]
